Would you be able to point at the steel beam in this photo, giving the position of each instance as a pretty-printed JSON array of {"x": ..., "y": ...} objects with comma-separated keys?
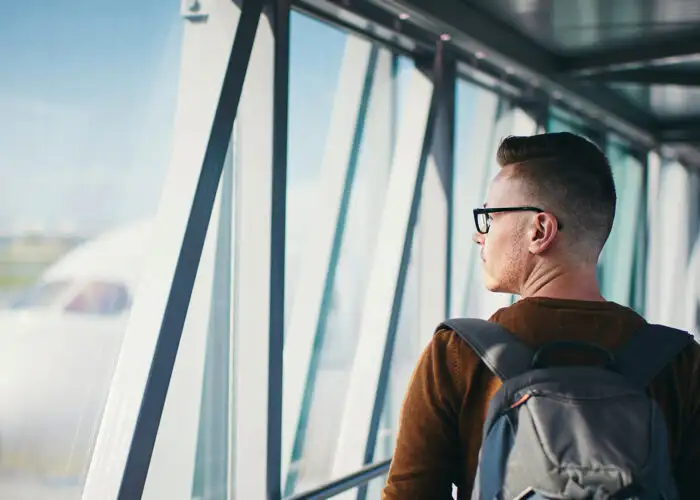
[
  {"x": 653, "y": 75},
  {"x": 259, "y": 253},
  {"x": 679, "y": 130},
  {"x": 434, "y": 258},
  {"x": 674, "y": 45}
]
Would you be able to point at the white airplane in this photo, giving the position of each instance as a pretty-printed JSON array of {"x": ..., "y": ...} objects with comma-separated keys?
[{"x": 61, "y": 338}]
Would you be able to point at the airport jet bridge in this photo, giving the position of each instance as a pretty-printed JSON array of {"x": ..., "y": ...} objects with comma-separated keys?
[{"x": 320, "y": 161}]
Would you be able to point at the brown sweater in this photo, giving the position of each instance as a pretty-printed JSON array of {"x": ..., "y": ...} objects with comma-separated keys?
[{"x": 447, "y": 398}]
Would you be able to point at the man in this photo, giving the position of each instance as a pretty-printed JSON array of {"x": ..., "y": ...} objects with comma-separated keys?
[{"x": 548, "y": 214}]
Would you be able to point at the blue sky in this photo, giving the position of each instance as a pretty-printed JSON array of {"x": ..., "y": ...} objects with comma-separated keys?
[
  {"x": 87, "y": 99},
  {"x": 86, "y": 96}
]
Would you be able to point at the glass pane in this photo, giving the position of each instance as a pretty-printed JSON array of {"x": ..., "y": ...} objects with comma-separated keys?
[
  {"x": 319, "y": 54},
  {"x": 87, "y": 100},
  {"x": 316, "y": 53},
  {"x": 617, "y": 258},
  {"x": 191, "y": 454},
  {"x": 477, "y": 167},
  {"x": 316, "y": 56},
  {"x": 562, "y": 121},
  {"x": 408, "y": 345},
  {"x": 476, "y": 116}
]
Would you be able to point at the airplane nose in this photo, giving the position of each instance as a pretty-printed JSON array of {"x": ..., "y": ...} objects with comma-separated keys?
[{"x": 52, "y": 393}]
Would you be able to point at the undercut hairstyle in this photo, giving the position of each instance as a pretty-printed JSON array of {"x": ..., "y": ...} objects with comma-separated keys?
[{"x": 571, "y": 178}]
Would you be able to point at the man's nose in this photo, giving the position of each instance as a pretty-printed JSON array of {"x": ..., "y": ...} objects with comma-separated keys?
[{"x": 478, "y": 238}]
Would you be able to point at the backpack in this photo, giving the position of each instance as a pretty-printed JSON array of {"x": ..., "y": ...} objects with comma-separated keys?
[{"x": 573, "y": 432}]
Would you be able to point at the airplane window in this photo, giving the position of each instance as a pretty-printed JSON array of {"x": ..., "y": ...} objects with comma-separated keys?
[
  {"x": 101, "y": 298},
  {"x": 40, "y": 295}
]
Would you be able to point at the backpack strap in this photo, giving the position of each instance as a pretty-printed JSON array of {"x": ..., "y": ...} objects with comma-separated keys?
[
  {"x": 503, "y": 354},
  {"x": 649, "y": 351}
]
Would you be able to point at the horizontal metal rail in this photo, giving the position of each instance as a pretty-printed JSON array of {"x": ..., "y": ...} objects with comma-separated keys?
[{"x": 359, "y": 478}]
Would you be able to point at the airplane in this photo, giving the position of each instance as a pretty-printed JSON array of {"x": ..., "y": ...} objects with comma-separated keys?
[
  {"x": 61, "y": 339},
  {"x": 61, "y": 342}
]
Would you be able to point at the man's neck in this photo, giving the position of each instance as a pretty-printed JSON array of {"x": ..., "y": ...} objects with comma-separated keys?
[{"x": 578, "y": 283}]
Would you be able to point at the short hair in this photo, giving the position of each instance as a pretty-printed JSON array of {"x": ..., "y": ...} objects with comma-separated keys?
[{"x": 571, "y": 177}]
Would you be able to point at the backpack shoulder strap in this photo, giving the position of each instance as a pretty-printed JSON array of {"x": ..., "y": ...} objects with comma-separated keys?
[
  {"x": 503, "y": 354},
  {"x": 649, "y": 351}
]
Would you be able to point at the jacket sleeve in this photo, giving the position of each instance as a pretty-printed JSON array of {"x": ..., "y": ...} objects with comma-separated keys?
[{"x": 426, "y": 459}]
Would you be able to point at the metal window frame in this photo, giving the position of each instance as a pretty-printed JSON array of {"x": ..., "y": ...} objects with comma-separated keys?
[
  {"x": 359, "y": 478},
  {"x": 259, "y": 263}
]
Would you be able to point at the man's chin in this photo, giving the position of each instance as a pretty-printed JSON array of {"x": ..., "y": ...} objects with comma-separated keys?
[
  {"x": 494, "y": 285},
  {"x": 491, "y": 284}
]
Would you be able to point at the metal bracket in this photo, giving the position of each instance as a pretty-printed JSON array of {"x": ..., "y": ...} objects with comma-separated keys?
[{"x": 193, "y": 11}]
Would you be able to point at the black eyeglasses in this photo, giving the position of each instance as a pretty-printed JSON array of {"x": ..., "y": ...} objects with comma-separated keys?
[{"x": 482, "y": 217}]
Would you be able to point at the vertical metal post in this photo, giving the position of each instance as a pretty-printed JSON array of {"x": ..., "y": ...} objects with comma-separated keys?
[
  {"x": 278, "y": 10},
  {"x": 259, "y": 248}
]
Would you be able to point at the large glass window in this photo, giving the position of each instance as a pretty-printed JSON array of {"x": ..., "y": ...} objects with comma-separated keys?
[
  {"x": 622, "y": 249},
  {"x": 478, "y": 113},
  {"x": 563, "y": 121},
  {"x": 87, "y": 100},
  {"x": 343, "y": 119}
]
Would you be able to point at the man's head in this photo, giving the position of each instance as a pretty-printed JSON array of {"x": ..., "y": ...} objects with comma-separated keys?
[{"x": 563, "y": 193}]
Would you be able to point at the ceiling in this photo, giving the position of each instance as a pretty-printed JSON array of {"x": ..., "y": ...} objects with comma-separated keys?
[
  {"x": 568, "y": 25},
  {"x": 635, "y": 60},
  {"x": 632, "y": 66},
  {"x": 604, "y": 42}
]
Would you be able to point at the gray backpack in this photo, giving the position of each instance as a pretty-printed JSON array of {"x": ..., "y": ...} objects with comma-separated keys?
[{"x": 573, "y": 432}]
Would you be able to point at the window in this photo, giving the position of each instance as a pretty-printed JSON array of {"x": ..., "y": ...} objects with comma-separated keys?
[
  {"x": 42, "y": 295},
  {"x": 100, "y": 298}
]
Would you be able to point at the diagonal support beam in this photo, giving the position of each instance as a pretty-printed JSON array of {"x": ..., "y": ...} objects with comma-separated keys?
[{"x": 142, "y": 376}]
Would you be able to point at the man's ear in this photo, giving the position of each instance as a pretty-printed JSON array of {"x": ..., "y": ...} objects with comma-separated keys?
[{"x": 543, "y": 233}]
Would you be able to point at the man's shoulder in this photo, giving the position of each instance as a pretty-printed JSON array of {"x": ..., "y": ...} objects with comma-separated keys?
[{"x": 451, "y": 346}]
